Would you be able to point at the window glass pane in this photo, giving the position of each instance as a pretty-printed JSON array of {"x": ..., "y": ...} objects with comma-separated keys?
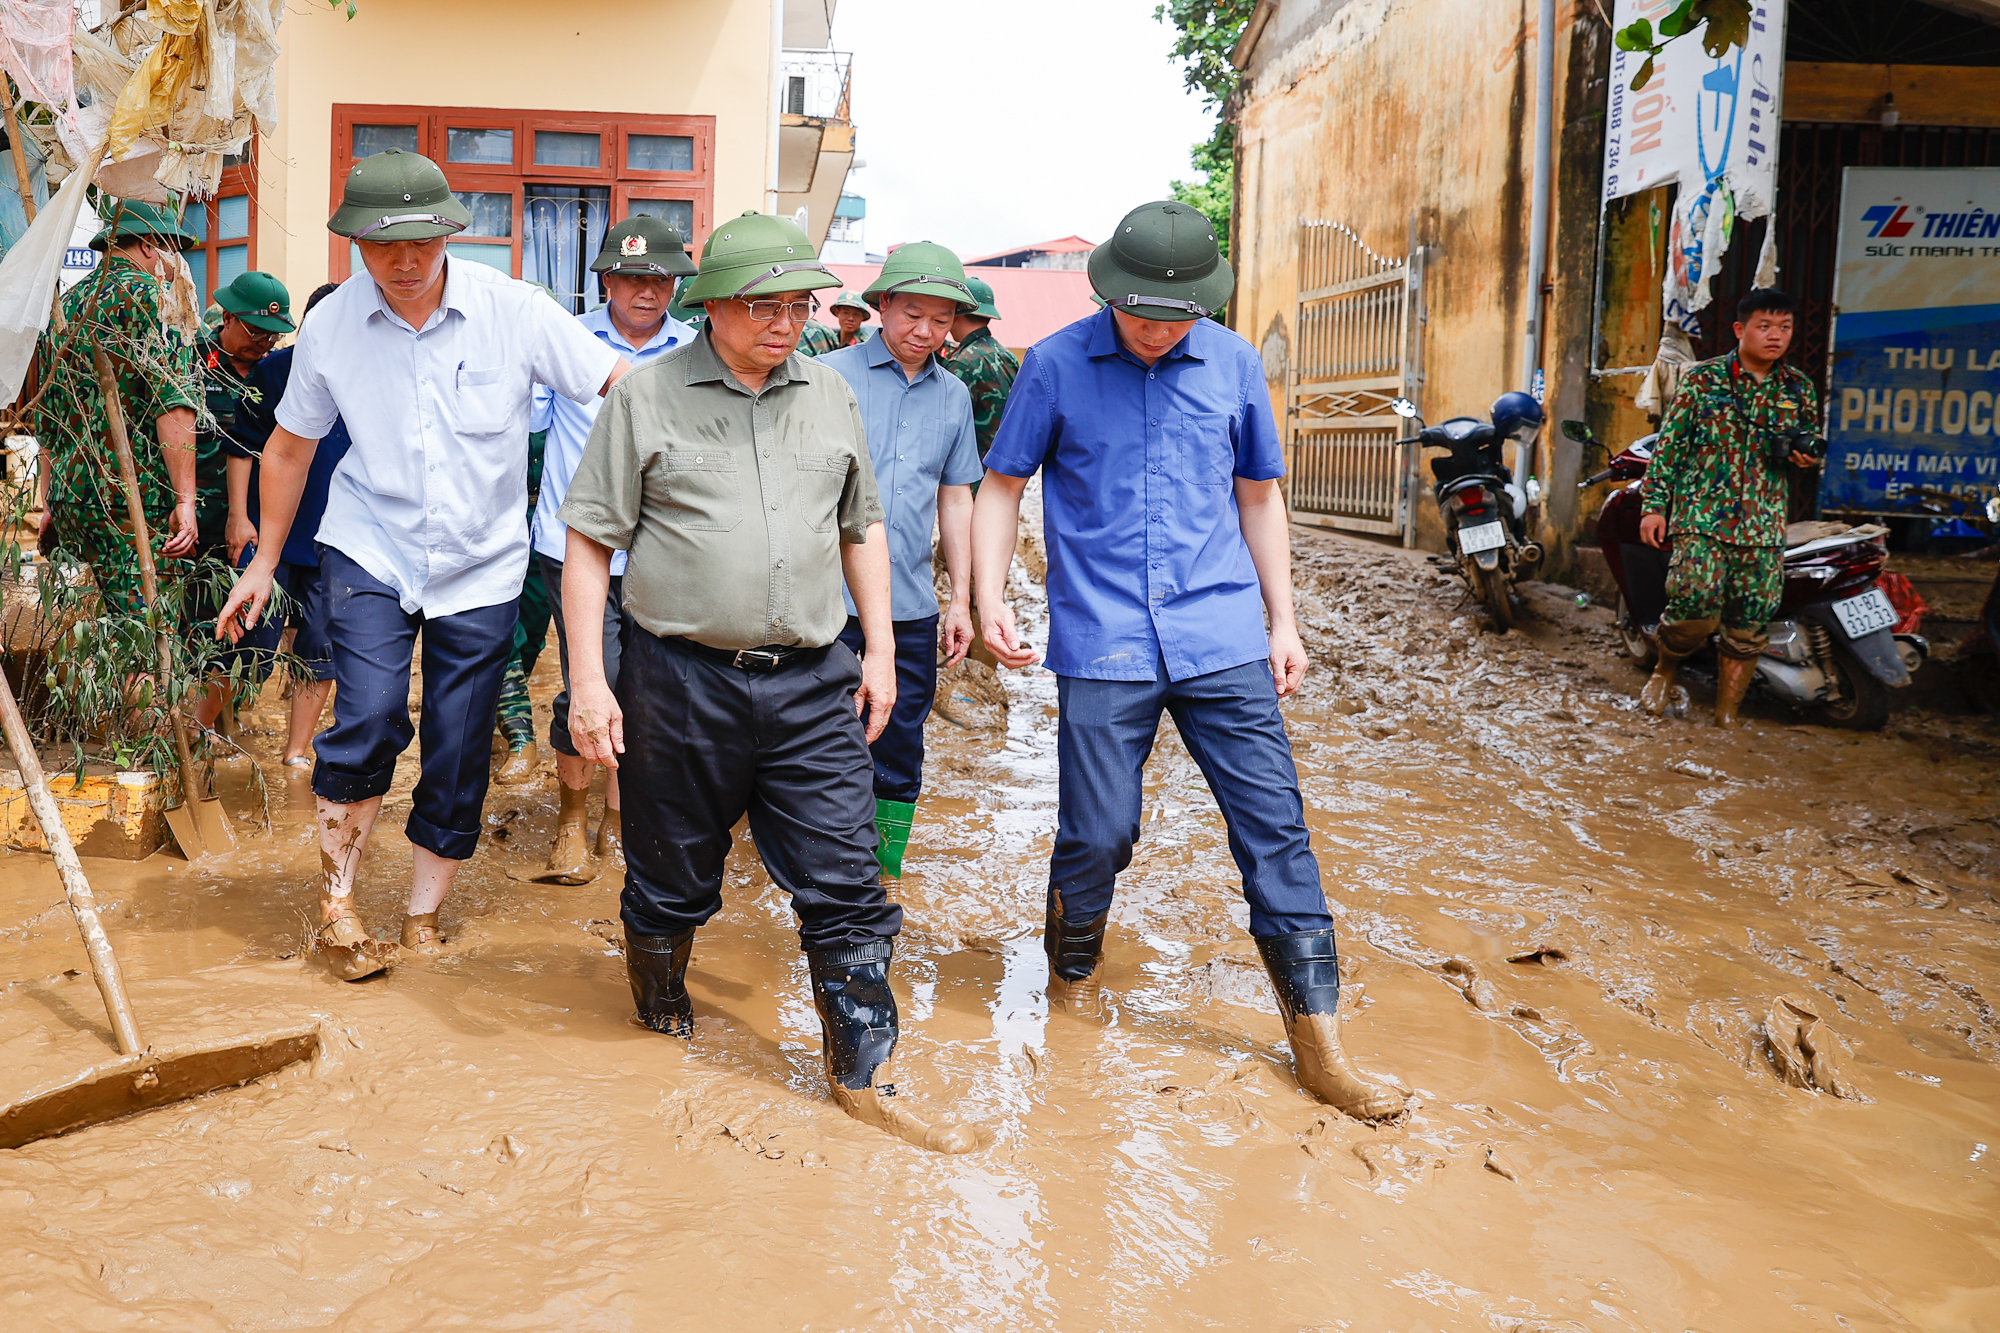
[
  {"x": 197, "y": 262},
  {"x": 561, "y": 229},
  {"x": 195, "y": 219},
  {"x": 483, "y": 147},
  {"x": 496, "y": 256},
  {"x": 241, "y": 159},
  {"x": 372, "y": 139},
  {"x": 232, "y": 217},
  {"x": 676, "y": 213},
  {"x": 231, "y": 262},
  {"x": 492, "y": 213},
  {"x": 659, "y": 152},
  {"x": 562, "y": 148}
]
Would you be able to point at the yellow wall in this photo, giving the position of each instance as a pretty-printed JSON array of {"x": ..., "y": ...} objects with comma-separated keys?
[
  {"x": 1394, "y": 118},
  {"x": 651, "y": 57}
]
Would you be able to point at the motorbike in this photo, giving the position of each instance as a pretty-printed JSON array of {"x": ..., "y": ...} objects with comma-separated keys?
[
  {"x": 1839, "y": 643},
  {"x": 1484, "y": 512}
]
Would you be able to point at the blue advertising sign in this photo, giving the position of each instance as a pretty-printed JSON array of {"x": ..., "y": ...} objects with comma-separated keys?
[{"x": 1916, "y": 342}]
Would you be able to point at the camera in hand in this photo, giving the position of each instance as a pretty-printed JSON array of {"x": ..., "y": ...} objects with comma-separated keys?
[{"x": 1798, "y": 439}]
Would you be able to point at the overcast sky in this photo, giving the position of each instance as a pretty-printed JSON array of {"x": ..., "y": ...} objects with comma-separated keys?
[{"x": 985, "y": 126}]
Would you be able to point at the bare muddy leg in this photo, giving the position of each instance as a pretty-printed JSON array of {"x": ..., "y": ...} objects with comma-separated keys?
[{"x": 351, "y": 952}]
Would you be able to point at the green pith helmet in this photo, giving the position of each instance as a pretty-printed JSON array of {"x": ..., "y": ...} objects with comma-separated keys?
[
  {"x": 921, "y": 268},
  {"x": 691, "y": 315},
  {"x": 982, "y": 292},
  {"x": 259, "y": 300},
  {"x": 130, "y": 220},
  {"x": 849, "y": 301},
  {"x": 757, "y": 255},
  {"x": 1163, "y": 263},
  {"x": 397, "y": 196},
  {"x": 646, "y": 246}
]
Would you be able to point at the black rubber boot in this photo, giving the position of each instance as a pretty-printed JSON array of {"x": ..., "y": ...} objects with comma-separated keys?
[
  {"x": 857, "y": 1014},
  {"x": 1076, "y": 960},
  {"x": 856, "y": 1010},
  {"x": 657, "y": 967},
  {"x": 1305, "y": 973}
]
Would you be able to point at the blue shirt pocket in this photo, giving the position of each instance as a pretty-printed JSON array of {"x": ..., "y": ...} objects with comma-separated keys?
[{"x": 1207, "y": 457}]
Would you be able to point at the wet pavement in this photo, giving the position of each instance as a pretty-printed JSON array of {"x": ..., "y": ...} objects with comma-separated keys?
[{"x": 1701, "y": 1028}]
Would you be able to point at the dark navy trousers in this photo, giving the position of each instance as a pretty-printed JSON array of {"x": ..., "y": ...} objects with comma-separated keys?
[
  {"x": 707, "y": 743},
  {"x": 1230, "y": 723},
  {"x": 899, "y": 751},
  {"x": 373, "y": 641}
]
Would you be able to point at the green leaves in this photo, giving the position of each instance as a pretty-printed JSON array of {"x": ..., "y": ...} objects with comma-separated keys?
[
  {"x": 1208, "y": 33},
  {"x": 1728, "y": 26}
]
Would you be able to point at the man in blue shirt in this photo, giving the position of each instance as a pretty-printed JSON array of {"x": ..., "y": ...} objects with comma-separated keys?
[
  {"x": 640, "y": 259},
  {"x": 1168, "y": 546},
  {"x": 918, "y": 416},
  {"x": 298, "y": 568}
]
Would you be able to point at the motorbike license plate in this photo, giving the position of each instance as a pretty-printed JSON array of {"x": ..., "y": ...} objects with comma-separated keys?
[
  {"x": 1865, "y": 614},
  {"x": 1485, "y": 537}
]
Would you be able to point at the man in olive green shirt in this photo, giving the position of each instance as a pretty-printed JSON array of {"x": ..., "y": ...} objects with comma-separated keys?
[{"x": 736, "y": 474}]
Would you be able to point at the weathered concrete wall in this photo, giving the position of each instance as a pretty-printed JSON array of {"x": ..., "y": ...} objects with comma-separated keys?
[{"x": 1414, "y": 119}]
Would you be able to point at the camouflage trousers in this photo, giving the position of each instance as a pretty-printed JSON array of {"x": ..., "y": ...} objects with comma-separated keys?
[
  {"x": 531, "y": 632},
  {"x": 89, "y": 535},
  {"x": 1717, "y": 580}
]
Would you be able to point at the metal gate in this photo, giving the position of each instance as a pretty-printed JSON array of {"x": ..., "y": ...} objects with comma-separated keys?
[{"x": 1357, "y": 346}]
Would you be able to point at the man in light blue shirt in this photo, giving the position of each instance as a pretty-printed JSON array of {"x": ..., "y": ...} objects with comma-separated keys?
[
  {"x": 918, "y": 416},
  {"x": 1168, "y": 548},
  {"x": 640, "y": 259}
]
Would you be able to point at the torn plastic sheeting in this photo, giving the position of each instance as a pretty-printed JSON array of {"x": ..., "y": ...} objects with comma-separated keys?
[
  {"x": 180, "y": 58},
  {"x": 28, "y": 282},
  {"x": 34, "y": 48}
]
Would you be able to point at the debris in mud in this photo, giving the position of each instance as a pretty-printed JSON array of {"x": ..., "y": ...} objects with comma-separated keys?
[
  {"x": 507, "y": 1149},
  {"x": 1806, "y": 1050},
  {"x": 1499, "y": 1165},
  {"x": 1542, "y": 955},
  {"x": 1483, "y": 995}
]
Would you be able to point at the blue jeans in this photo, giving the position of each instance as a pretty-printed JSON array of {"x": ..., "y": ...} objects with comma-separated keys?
[
  {"x": 1230, "y": 723},
  {"x": 373, "y": 642},
  {"x": 899, "y": 751}
]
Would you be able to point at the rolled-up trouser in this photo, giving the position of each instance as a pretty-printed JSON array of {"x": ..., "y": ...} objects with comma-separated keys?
[
  {"x": 552, "y": 572},
  {"x": 899, "y": 751},
  {"x": 1230, "y": 723},
  {"x": 706, "y": 743},
  {"x": 373, "y": 639},
  {"x": 1740, "y": 586}
]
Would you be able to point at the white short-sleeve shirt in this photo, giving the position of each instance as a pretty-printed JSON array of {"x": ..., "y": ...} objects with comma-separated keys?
[{"x": 432, "y": 497}]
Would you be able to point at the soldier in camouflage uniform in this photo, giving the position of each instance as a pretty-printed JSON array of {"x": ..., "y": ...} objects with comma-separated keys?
[
  {"x": 1719, "y": 486},
  {"x": 256, "y": 311},
  {"x": 119, "y": 305},
  {"x": 516, "y": 721},
  {"x": 851, "y": 312},
  {"x": 987, "y": 368}
]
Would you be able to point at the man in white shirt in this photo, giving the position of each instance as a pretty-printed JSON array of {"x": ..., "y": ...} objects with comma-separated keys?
[
  {"x": 640, "y": 259},
  {"x": 431, "y": 366}
]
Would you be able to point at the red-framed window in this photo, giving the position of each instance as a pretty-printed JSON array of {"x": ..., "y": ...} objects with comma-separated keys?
[
  {"x": 541, "y": 185},
  {"x": 226, "y": 226}
]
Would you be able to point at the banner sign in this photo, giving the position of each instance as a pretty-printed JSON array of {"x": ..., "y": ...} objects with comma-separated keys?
[
  {"x": 1916, "y": 342},
  {"x": 1708, "y": 125}
]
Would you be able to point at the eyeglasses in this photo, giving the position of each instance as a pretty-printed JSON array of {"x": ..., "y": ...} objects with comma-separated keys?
[{"x": 766, "y": 311}]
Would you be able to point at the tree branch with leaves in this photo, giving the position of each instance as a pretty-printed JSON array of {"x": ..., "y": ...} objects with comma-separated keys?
[
  {"x": 1728, "y": 25},
  {"x": 1208, "y": 31}
]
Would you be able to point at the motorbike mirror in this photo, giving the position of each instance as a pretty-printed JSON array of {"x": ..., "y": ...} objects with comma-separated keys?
[
  {"x": 1403, "y": 407},
  {"x": 1993, "y": 510},
  {"x": 1578, "y": 431}
]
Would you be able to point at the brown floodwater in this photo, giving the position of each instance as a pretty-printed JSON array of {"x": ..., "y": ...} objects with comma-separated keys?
[{"x": 1701, "y": 1029}]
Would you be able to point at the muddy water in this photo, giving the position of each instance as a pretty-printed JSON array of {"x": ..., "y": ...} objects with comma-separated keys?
[{"x": 1602, "y": 1138}]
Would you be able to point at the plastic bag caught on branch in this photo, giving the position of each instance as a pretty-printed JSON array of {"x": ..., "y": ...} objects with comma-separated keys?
[
  {"x": 180, "y": 59},
  {"x": 34, "y": 48}
]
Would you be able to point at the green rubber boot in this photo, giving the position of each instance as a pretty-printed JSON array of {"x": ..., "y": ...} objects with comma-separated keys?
[{"x": 892, "y": 829}]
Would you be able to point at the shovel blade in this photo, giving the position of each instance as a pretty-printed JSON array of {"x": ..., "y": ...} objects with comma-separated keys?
[
  {"x": 217, "y": 834},
  {"x": 180, "y": 822},
  {"x": 133, "y": 1083}
]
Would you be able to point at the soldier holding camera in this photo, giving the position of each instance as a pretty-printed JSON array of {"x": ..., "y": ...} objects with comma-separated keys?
[{"x": 1719, "y": 484}]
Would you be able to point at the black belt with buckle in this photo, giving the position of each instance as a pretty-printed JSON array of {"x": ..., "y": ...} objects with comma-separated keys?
[{"x": 771, "y": 657}]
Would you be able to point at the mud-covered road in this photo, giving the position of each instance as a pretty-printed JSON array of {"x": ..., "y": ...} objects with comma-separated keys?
[{"x": 1594, "y": 944}]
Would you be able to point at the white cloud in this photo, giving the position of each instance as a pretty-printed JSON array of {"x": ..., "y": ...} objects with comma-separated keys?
[{"x": 990, "y": 125}]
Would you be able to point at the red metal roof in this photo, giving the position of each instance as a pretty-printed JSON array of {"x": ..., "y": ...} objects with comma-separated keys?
[
  {"x": 1067, "y": 245},
  {"x": 1033, "y": 302}
]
